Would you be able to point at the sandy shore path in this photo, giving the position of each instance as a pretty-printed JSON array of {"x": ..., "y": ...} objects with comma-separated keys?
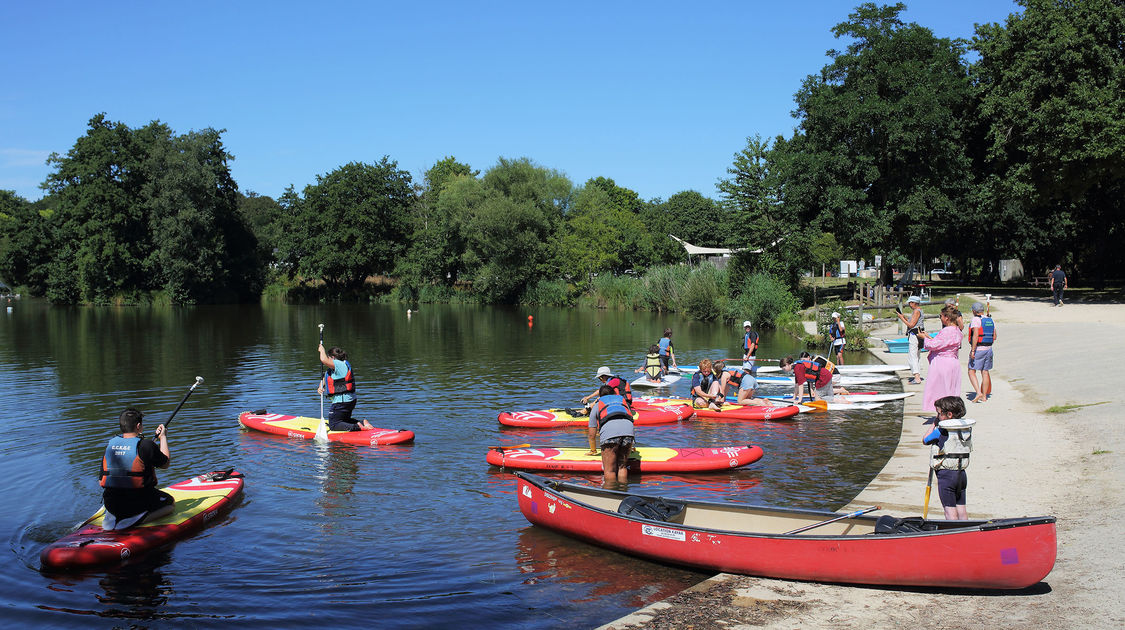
[{"x": 1025, "y": 462}]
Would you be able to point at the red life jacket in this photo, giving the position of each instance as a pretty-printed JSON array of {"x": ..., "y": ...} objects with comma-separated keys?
[
  {"x": 621, "y": 388},
  {"x": 338, "y": 386}
]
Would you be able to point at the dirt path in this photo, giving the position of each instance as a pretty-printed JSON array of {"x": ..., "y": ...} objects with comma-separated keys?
[{"x": 1025, "y": 462}]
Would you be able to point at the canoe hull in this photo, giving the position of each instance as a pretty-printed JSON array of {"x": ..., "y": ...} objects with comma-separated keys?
[
  {"x": 305, "y": 428},
  {"x": 199, "y": 500},
  {"x": 1004, "y": 554},
  {"x": 643, "y": 459}
]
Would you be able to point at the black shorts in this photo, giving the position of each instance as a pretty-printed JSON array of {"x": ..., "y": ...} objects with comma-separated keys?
[
  {"x": 123, "y": 503},
  {"x": 340, "y": 417}
]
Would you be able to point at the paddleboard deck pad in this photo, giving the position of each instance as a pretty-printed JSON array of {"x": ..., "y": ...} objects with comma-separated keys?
[
  {"x": 301, "y": 427},
  {"x": 199, "y": 500},
  {"x": 644, "y": 414},
  {"x": 642, "y": 459},
  {"x": 735, "y": 411}
]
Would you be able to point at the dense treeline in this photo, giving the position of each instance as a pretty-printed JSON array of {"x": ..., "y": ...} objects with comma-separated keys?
[{"x": 907, "y": 145}]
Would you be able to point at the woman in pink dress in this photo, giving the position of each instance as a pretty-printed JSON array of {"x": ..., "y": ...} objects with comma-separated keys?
[{"x": 944, "y": 377}]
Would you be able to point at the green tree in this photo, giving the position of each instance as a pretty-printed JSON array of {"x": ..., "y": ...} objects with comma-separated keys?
[
  {"x": 1052, "y": 106},
  {"x": 436, "y": 245},
  {"x": 352, "y": 223},
  {"x": 880, "y": 157},
  {"x": 25, "y": 242}
]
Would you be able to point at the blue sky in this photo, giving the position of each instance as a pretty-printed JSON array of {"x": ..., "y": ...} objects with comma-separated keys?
[{"x": 658, "y": 96}]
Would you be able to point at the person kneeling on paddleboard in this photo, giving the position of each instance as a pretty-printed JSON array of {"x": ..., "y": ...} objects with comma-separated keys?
[
  {"x": 705, "y": 388},
  {"x": 653, "y": 368},
  {"x": 129, "y": 475},
  {"x": 613, "y": 422},
  {"x": 338, "y": 385},
  {"x": 816, "y": 371}
]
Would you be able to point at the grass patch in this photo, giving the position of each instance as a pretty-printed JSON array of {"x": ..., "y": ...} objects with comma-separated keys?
[
  {"x": 1101, "y": 452},
  {"x": 1070, "y": 408}
]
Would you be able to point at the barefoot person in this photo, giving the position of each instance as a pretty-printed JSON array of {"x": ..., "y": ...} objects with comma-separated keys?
[
  {"x": 815, "y": 371},
  {"x": 338, "y": 385},
  {"x": 129, "y": 472},
  {"x": 705, "y": 387},
  {"x": 611, "y": 426},
  {"x": 982, "y": 334}
]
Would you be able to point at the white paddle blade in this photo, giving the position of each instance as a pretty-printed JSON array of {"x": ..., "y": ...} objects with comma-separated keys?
[{"x": 322, "y": 431}]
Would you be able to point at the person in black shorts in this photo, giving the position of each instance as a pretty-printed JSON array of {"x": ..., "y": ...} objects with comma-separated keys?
[{"x": 129, "y": 471}]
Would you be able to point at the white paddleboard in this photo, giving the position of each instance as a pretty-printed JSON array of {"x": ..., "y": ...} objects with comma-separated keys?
[
  {"x": 853, "y": 398},
  {"x": 838, "y": 380},
  {"x": 664, "y": 382}
]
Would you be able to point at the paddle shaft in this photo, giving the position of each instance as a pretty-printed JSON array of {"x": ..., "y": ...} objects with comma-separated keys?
[
  {"x": 926, "y": 502},
  {"x": 197, "y": 383},
  {"x": 832, "y": 520}
]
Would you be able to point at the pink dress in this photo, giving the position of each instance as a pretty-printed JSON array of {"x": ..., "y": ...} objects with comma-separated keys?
[{"x": 944, "y": 377}]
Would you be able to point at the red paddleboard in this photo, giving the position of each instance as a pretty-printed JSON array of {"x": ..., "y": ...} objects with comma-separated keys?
[
  {"x": 735, "y": 411},
  {"x": 554, "y": 418},
  {"x": 643, "y": 458},
  {"x": 301, "y": 427},
  {"x": 198, "y": 501}
]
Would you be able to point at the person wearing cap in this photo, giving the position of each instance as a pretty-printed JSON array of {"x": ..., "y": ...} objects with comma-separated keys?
[
  {"x": 619, "y": 385},
  {"x": 749, "y": 348},
  {"x": 982, "y": 333},
  {"x": 836, "y": 330},
  {"x": 915, "y": 330},
  {"x": 129, "y": 472}
]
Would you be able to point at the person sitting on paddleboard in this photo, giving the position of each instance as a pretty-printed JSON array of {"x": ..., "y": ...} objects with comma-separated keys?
[
  {"x": 338, "y": 385},
  {"x": 129, "y": 471},
  {"x": 745, "y": 384},
  {"x": 816, "y": 371},
  {"x": 611, "y": 425},
  {"x": 653, "y": 368},
  {"x": 619, "y": 386},
  {"x": 667, "y": 354},
  {"x": 705, "y": 387}
]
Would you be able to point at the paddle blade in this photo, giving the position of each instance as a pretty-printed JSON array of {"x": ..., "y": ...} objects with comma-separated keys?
[
  {"x": 817, "y": 405},
  {"x": 321, "y": 431}
]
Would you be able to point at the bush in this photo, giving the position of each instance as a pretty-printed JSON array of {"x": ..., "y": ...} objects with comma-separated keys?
[
  {"x": 623, "y": 292},
  {"x": 547, "y": 293},
  {"x": 763, "y": 300}
]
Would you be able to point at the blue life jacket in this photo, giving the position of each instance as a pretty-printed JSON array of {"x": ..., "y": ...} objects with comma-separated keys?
[
  {"x": 836, "y": 331},
  {"x": 122, "y": 466},
  {"x": 987, "y": 331},
  {"x": 613, "y": 408},
  {"x": 664, "y": 343}
]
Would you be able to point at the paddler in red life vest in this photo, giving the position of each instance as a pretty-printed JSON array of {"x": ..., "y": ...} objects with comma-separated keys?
[
  {"x": 619, "y": 386},
  {"x": 749, "y": 348},
  {"x": 338, "y": 385},
  {"x": 815, "y": 371},
  {"x": 611, "y": 425},
  {"x": 129, "y": 474}
]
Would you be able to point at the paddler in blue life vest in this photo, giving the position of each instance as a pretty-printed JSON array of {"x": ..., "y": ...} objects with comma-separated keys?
[
  {"x": 836, "y": 330},
  {"x": 653, "y": 367},
  {"x": 338, "y": 385},
  {"x": 749, "y": 348},
  {"x": 667, "y": 354},
  {"x": 815, "y": 371},
  {"x": 611, "y": 426},
  {"x": 982, "y": 334},
  {"x": 705, "y": 387},
  {"x": 129, "y": 474}
]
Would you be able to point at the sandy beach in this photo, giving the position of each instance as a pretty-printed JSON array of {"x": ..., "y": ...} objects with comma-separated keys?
[{"x": 1025, "y": 462}]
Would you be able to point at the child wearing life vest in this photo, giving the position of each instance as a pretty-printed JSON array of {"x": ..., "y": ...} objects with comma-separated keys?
[
  {"x": 653, "y": 368},
  {"x": 982, "y": 334},
  {"x": 950, "y": 444}
]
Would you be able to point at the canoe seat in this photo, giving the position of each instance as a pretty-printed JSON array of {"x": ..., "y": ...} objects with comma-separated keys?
[
  {"x": 653, "y": 509},
  {"x": 887, "y": 524}
]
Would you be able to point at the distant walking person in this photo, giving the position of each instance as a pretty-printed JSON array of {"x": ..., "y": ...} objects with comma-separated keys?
[
  {"x": 982, "y": 334},
  {"x": 915, "y": 331},
  {"x": 1058, "y": 284}
]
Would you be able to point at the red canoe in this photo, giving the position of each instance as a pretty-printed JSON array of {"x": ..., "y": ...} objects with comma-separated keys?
[
  {"x": 642, "y": 459},
  {"x": 301, "y": 427},
  {"x": 755, "y": 540},
  {"x": 733, "y": 411},
  {"x": 198, "y": 501},
  {"x": 646, "y": 414}
]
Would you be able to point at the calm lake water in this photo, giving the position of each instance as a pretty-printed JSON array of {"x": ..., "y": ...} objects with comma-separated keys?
[{"x": 425, "y": 535}]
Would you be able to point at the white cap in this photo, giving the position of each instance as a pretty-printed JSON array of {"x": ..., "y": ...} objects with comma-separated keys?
[
  {"x": 914, "y": 298},
  {"x": 835, "y": 314},
  {"x": 604, "y": 371},
  {"x": 745, "y": 323}
]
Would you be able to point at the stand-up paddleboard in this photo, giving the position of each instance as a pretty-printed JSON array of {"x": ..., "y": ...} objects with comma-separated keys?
[
  {"x": 735, "y": 411},
  {"x": 853, "y": 397},
  {"x": 871, "y": 368},
  {"x": 198, "y": 501},
  {"x": 842, "y": 406},
  {"x": 643, "y": 414},
  {"x": 664, "y": 381},
  {"x": 301, "y": 427},
  {"x": 642, "y": 459},
  {"x": 844, "y": 380}
]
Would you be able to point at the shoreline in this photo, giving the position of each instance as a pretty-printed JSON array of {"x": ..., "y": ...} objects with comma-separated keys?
[{"x": 1025, "y": 463}]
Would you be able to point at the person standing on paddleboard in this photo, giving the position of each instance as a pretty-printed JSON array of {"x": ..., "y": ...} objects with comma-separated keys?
[
  {"x": 836, "y": 329},
  {"x": 338, "y": 385},
  {"x": 749, "y": 348},
  {"x": 667, "y": 354},
  {"x": 611, "y": 425},
  {"x": 129, "y": 471}
]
